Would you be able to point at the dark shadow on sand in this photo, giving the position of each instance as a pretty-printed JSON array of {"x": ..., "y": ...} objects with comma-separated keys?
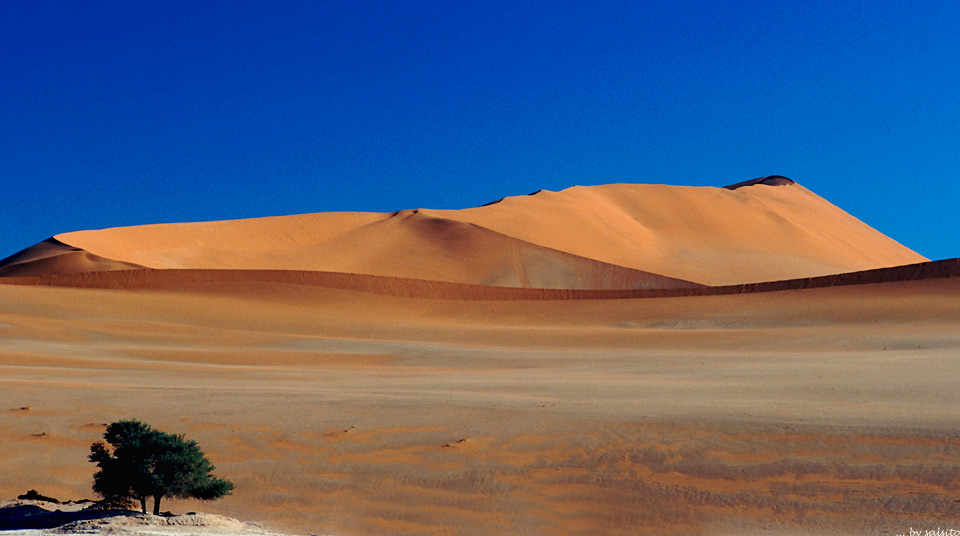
[{"x": 29, "y": 516}]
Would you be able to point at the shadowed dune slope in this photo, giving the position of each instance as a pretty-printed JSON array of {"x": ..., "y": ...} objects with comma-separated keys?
[
  {"x": 54, "y": 257},
  {"x": 405, "y": 244},
  {"x": 410, "y": 244},
  {"x": 615, "y": 236},
  {"x": 234, "y": 280}
]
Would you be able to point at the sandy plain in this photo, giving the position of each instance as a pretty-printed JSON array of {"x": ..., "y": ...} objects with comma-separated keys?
[
  {"x": 343, "y": 399},
  {"x": 343, "y": 412}
]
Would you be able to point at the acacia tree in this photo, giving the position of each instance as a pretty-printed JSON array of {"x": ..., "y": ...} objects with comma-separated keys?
[{"x": 148, "y": 463}]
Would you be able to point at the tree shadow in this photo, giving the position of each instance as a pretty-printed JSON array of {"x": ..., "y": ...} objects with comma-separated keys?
[{"x": 31, "y": 516}]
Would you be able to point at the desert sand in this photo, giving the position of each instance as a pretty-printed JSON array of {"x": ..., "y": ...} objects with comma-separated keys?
[{"x": 366, "y": 403}]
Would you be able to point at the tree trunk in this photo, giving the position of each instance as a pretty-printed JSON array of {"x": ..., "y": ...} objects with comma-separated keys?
[
  {"x": 156, "y": 504},
  {"x": 143, "y": 504}
]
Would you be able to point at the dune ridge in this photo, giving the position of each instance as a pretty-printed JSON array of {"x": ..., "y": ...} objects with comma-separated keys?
[
  {"x": 419, "y": 288},
  {"x": 617, "y": 236}
]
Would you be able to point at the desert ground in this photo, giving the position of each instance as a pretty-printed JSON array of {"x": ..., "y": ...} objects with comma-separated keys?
[
  {"x": 28, "y": 517},
  {"x": 357, "y": 409}
]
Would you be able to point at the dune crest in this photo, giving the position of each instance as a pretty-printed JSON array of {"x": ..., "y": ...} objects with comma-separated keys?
[{"x": 772, "y": 180}]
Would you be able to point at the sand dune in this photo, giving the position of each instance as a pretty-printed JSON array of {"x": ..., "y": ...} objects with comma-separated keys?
[
  {"x": 621, "y": 236},
  {"x": 714, "y": 236}
]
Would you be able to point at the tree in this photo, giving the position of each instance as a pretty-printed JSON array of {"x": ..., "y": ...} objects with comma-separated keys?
[{"x": 148, "y": 463}]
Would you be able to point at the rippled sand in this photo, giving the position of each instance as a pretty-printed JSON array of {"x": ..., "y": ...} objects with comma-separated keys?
[{"x": 826, "y": 410}]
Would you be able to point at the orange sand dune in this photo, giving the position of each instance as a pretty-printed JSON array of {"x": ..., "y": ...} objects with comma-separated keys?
[
  {"x": 757, "y": 232},
  {"x": 596, "y": 237}
]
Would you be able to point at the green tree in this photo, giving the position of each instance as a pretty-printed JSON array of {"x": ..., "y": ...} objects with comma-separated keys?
[{"x": 148, "y": 463}]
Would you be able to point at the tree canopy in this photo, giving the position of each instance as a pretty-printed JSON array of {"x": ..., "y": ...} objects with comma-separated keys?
[{"x": 148, "y": 463}]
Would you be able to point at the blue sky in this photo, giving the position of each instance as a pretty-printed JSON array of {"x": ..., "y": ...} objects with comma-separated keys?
[{"x": 129, "y": 112}]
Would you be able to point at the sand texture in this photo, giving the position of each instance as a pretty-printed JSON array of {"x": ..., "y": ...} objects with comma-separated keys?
[{"x": 357, "y": 403}]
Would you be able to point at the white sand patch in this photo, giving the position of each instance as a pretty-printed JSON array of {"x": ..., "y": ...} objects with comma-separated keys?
[{"x": 75, "y": 519}]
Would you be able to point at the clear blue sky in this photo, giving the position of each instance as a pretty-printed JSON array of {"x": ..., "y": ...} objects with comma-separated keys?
[{"x": 128, "y": 112}]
